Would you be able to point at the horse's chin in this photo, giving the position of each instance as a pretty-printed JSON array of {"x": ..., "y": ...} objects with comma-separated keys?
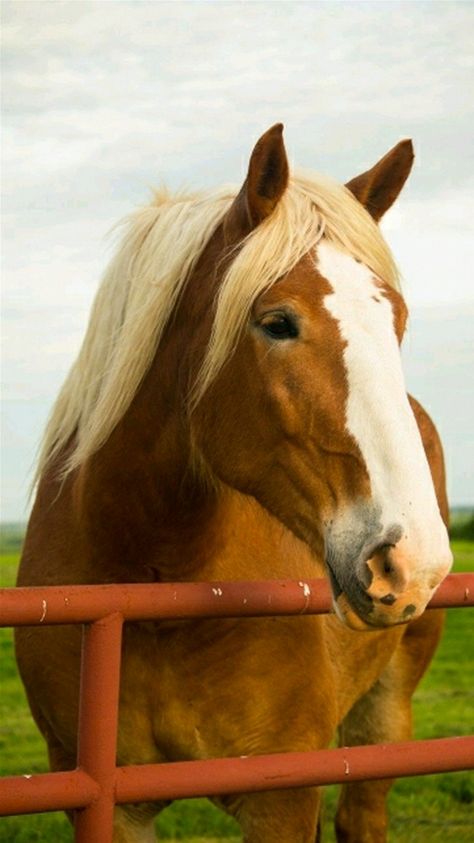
[
  {"x": 376, "y": 620},
  {"x": 345, "y": 611},
  {"x": 349, "y": 617},
  {"x": 359, "y": 610}
]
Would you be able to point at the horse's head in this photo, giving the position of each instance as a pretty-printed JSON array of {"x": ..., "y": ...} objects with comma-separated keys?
[{"x": 310, "y": 414}]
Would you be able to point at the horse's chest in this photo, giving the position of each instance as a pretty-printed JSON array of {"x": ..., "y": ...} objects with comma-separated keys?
[{"x": 227, "y": 687}]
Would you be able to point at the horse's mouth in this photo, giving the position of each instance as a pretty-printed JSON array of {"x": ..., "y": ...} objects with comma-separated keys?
[
  {"x": 352, "y": 604},
  {"x": 336, "y": 587},
  {"x": 358, "y": 610}
]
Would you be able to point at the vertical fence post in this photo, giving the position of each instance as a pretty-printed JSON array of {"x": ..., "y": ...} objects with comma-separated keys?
[{"x": 98, "y": 721}]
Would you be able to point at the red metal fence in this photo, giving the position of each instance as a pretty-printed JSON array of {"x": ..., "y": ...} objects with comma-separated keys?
[{"x": 97, "y": 784}]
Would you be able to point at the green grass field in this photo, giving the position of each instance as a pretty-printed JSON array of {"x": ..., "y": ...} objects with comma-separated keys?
[{"x": 436, "y": 809}]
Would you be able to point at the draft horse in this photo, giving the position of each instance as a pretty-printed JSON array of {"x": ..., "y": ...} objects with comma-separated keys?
[{"x": 238, "y": 412}]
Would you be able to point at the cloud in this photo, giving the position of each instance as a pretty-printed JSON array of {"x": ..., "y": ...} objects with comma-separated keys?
[
  {"x": 432, "y": 240},
  {"x": 438, "y": 360},
  {"x": 104, "y": 100}
]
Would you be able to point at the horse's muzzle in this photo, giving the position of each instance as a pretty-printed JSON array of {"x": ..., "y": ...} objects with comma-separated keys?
[{"x": 383, "y": 589}]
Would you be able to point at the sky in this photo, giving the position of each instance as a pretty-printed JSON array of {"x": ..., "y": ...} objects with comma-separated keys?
[{"x": 103, "y": 101}]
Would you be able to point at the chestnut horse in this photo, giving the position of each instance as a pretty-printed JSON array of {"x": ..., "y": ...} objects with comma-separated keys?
[{"x": 238, "y": 412}]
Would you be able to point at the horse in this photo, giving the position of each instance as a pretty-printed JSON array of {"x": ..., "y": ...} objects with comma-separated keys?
[{"x": 238, "y": 411}]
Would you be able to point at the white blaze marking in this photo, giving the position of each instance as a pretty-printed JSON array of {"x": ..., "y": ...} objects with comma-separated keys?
[{"x": 378, "y": 414}]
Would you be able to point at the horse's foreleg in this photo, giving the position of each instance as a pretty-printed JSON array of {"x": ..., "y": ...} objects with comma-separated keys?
[
  {"x": 384, "y": 715},
  {"x": 285, "y": 816}
]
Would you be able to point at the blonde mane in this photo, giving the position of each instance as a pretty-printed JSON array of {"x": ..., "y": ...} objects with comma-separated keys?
[{"x": 143, "y": 282}]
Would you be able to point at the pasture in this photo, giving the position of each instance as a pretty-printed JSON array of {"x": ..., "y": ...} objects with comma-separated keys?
[{"x": 430, "y": 808}]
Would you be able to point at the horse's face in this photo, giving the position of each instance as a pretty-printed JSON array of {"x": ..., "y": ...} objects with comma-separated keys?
[
  {"x": 313, "y": 420},
  {"x": 310, "y": 415}
]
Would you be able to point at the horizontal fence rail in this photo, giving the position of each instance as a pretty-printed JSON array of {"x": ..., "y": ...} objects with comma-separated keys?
[
  {"x": 187, "y": 779},
  {"x": 88, "y": 603},
  {"x": 97, "y": 784}
]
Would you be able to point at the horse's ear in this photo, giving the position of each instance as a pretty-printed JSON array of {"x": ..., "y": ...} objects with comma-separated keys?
[
  {"x": 378, "y": 188},
  {"x": 266, "y": 181}
]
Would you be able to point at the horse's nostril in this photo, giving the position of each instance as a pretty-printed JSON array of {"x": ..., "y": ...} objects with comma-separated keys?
[
  {"x": 381, "y": 556},
  {"x": 389, "y": 572},
  {"x": 387, "y": 566}
]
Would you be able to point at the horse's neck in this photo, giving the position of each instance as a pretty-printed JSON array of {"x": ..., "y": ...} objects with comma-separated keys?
[
  {"x": 135, "y": 500},
  {"x": 250, "y": 544},
  {"x": 147, "y": 515}
]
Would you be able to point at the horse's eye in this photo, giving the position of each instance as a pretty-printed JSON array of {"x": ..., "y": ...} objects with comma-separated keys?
[{"x": 280, "y": 326}]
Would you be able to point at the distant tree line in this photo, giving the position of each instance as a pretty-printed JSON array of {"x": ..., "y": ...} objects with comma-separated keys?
[
  {"x": 462, "y": 527},
  {"x": 11, "y": 537}
]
